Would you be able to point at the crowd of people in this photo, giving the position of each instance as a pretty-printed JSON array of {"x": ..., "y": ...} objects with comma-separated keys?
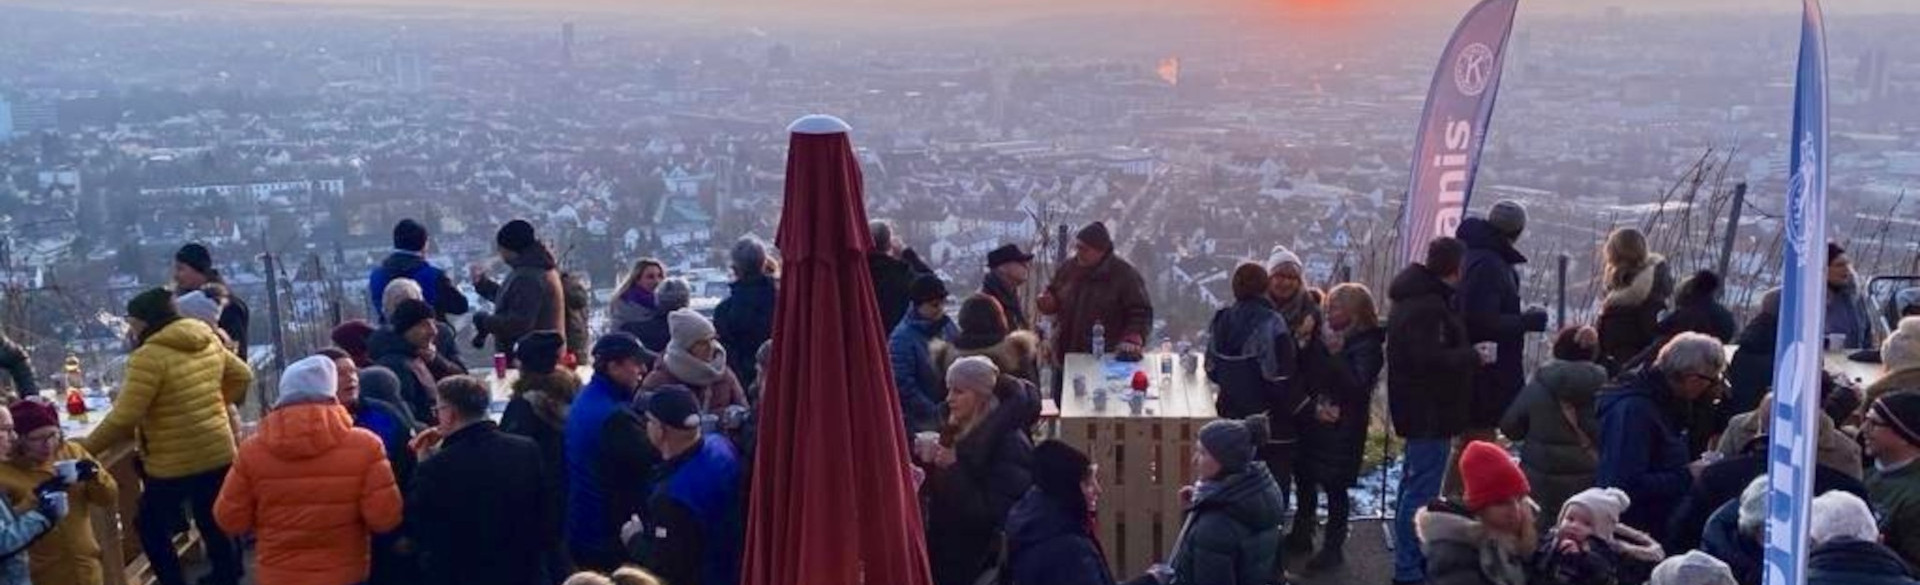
[{"x": 1641, "y": 444}]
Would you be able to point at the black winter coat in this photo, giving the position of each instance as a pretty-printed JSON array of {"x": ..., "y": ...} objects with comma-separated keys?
[
  {"x": 1430, "y": 362},
  {"x": 892, "y": 281},
  {"x": 1722, "y": 482},
  {"x": 1232, "y": 531},
  {"x": 480, "y": 509},
  {"x": 967, "y": 503},
  {"x": 744, "y": 321},
  {"x": 1750, "y": 372},
  {"x": 1489, "y": 302},
  {"x": 1722, "y": 539},
  {"x": 1630, "y": 315},
  {"x": 392, "y": 351},
  {"x": 1235, "y": 364},
  {"x": 1332, "y": 452},
  {"x": 1855, "y": 562}
]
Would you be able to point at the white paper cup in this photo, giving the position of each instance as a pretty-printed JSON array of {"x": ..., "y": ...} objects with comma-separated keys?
[
  {"x": 68, "y": 470},
  {"x": 1836, "y": 341}
]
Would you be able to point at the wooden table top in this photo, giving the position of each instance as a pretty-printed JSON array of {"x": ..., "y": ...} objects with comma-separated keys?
[{"x": 1186, "y": 394}]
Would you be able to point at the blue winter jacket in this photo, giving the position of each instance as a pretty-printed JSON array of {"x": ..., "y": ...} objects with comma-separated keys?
[
  {"x": 1643, "y": 452},
  {"x": 435, "y": 285},
  {"x": 696, "y": 524},
  {"x": 1047, "y": 545},
  {"x": 1856, "y": 562},
  {"x": 609, "y": 467},
  {"x": 921, "y": 389}
]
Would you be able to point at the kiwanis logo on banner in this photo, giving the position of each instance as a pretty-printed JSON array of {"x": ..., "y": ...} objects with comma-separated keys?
[
  {"x": 1446, "y": 152},
  {"x": 1803, "y": 301}
]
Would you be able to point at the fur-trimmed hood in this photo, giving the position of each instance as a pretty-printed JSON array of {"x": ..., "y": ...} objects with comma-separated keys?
[
  {"x": 1646, "y": 280},
  {"x": 550, "y": 395},
  {"x": 1012, "y": 354},
  {"x": 1449, "y": 536},
  {"x": 1631, "y": 543}
]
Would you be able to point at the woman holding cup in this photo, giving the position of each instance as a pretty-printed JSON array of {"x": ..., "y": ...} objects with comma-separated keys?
[
  {"x": 977, "y": 467},
  {"x": 42, "y": 457}
]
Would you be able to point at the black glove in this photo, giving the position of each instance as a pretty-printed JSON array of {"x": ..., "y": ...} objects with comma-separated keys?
[
  {"x": 1534, "y": 320},
  {"x": 480, "y": 329}
]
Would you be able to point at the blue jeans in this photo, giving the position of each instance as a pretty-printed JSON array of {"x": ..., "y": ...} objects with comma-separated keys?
[{"x": 1426, "y": 463}]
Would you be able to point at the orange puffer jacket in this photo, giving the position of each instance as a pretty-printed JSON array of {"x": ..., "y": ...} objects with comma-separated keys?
[{"x": 312, "y": 489}]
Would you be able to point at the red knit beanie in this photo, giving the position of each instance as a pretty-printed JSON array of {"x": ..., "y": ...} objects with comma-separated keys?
[
  {"x": 1490, "y": 476},
  {"x": 33, "y": 415}
]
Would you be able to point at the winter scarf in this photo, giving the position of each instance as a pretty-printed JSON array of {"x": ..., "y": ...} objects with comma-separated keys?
[{"x": 688, "y": 368}]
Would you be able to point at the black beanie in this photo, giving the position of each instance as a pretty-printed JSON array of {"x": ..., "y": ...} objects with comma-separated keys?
[
  {"x": 927, "y": 288},
  {"x": 195, "y": 256},
  {"x": 1058, "y": 469},
  {"x": 517, "y": 236},
  {"x": 1095, "y": 235},
  {"x": 539, "y": 351},
  {"x": 409, "y": 235},
  {"x": 155, "y": 306},
  {"x": 409, "y": 313}
]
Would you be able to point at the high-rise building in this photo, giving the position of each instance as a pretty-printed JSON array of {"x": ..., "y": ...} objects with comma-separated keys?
[
  {"x": 6, "y": 120},
  {"x": 566, "y": 43}
]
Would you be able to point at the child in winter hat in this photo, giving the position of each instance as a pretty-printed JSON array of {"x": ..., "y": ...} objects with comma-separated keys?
[{"x": 1590, "y": 545}]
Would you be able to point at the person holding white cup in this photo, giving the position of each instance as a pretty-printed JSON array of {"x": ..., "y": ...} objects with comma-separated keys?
[{"x": 62, "y": 483}]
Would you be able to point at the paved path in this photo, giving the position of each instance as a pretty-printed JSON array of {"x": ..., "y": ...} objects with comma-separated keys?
[{"x": 1369, "y": 561}]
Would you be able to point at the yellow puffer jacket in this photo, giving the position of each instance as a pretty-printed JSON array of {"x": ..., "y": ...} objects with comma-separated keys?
[
  {"x": 179, "y": 382},
  {"x": 69, "y": 553}
]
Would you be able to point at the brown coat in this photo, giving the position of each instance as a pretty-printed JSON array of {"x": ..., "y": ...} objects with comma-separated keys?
[
  {"x": 1111, "y": 293},
  {"x": 714, "y": 398}
]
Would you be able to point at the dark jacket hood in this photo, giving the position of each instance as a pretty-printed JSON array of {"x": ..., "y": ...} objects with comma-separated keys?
[
  {"x": 1018, "y": 411},
  {"x": 385, "y": 342},
  {"x": 1858, "y": 557},
  {"x": 1417, "y": 281},
  {"x": 1478, "y": 234},
  {"x": 1250, "y": 496},
  {"x": 402, "y": 263},
  {"x": 536, "y": 257},
  {"x": 1646, "y": 383},
  {"x": 1572, "y": 382},
  {"x": 1038, "y": 518}
]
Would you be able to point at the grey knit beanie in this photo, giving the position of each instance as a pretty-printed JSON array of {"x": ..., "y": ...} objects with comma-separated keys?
[
  {"x": 674, "y": 294},
  {"x": 1233, "y": 443},
  {"x": 1509, "y": 216}
]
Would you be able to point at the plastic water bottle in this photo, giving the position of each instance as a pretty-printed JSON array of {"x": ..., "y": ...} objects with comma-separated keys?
[{"x": 1099, "y": 341}]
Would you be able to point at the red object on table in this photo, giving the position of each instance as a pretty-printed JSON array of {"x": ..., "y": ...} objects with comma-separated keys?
[
  {"x": 1140, "y": 381},
  {"x": 76, "y": 404},
  {"x": 834, "y": 502}
]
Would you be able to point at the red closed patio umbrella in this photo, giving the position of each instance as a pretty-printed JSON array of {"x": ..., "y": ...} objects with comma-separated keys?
[{"x": 832, "y": 501}]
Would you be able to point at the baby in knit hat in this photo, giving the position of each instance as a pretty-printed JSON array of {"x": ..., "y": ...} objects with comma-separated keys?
[{"x": 1589, "y": 546}]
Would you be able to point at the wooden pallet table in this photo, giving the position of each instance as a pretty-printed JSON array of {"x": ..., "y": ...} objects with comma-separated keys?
[{"x": 1144, "y": 457}]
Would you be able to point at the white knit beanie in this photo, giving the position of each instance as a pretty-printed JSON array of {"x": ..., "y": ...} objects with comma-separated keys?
[
  {"x": 307, "y": 381},
  {"x": 1900, "y": 352},
  {"x": 1281, "y": 256},
  {"x": 1605, "y": 504},
  {"x": 1693, "y": 568},
  {"x": 197, "y": 305},
  {"x": 1837, "y": 514}
]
